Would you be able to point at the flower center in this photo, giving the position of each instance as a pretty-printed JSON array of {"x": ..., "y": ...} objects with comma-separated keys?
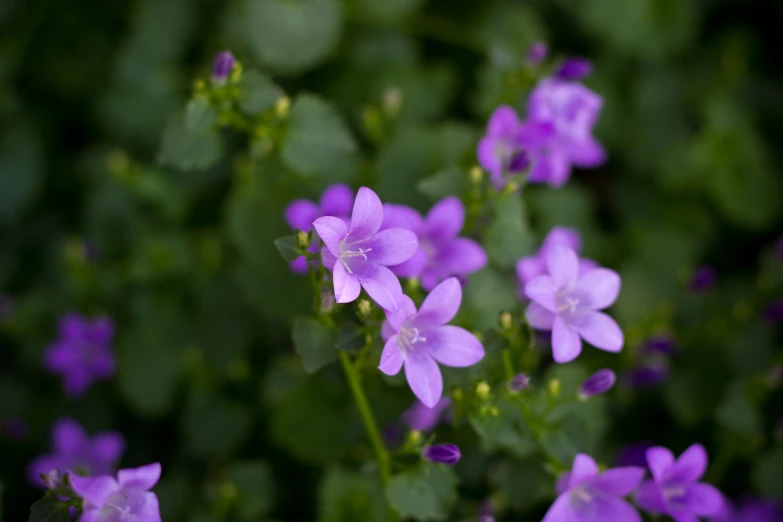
[
  {"x": 673, "y": 494},
  {"x": 407, "y": 337},
  {"x": 113, "y": 511},
  {"x": 566, "y": 303},
  {"x": 350, "y": 253},
  {"x": 580, "y": 498}
]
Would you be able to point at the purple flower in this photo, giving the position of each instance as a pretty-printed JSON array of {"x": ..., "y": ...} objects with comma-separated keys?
[
  {"x": 420, "y": 340},
  {"x": 530, "y": 267},
  {"x": 750, "y": 510},
  {"x": 600, "y": 382},
  {"x": 359, "y": 254},
  {"x": 441, "y": 253},
  {"x": 128, "y": 498},
  {"x": 648, "y": 375},
  {"x": 634, "y": 454},
  {"x": 773, "y": 313},
  {"x": 574, "y": 69},
  {"x": 586, "y": 496},
  {"x": 661, "y": 343},
  {"x": 74, "y": 449},
  {"x": 568, "y": 304},
  {"x": 82, "y": 353},
  {"x": 442, "y": 453},
  {"x": 224, "y": 62},
  {"x": 558, "y": 131},
  {"x": 537, "y": 53},
  {"x": 299, "y": 214},
  {"x": 674, "y": 489},
  {"x": 519, "y": 382},
  {"x": 423, "y": 418},
  {"x": 501, "y": 144},
  {"x": 703, "y": 279}
]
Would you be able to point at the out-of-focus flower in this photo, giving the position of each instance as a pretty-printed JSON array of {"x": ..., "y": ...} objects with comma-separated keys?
[
  {"x": 703, "y": 279},
  {"x": 537, "y": 53},
  {"x": 519, "y": 382},
  {"x": 423, "y": 418},
  {"x": 126, "y": 498},
  {"x": 634, "y": 454},
  {"x": 448, "y": 454},
  {"x": 568, "y": 304},
  {"x": 501, "y": 145},
  {"x": 600, "y": 382},
  {"x": 574, "y": 69},
  {"x": 750, "y": 510}
]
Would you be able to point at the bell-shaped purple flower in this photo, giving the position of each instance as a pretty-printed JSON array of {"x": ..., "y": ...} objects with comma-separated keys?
[
  {"x": 73, "y": 449},
  {"x": 568, "y": 304},
  {"x": 500, "y": 145},
  {"x": 674, "y": 489},
  {"x": 448, "y": 454},
  {"x": 126, "y": 498},
  {"x": 600, "y": 382},
  {"x": 575, "y": 68},
  {"x": 558, "y": 132},
  {"x": 82, "y": 353},
  {"x": 423, "y": 418},
  {"x": 359, "y": 254},
  {"x": 224, "y": 63},
  {"x": 584, "y": 495},
  {"x": 530, "y": 267},
  {"x": 441, "y": 252},
  {"x": 419, "y": 340},
  {"x": 300, "y": 213}
]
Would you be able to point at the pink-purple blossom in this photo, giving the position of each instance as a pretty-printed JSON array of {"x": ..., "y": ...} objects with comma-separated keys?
[
  {"x": 359, "y": 253},
  {"x": 501, "y": 145},
  {"x": 584, "y": 495},
  {"x": 419, "y": 340},
  {"x": 126, "y": 498},
  {"x": 423, "y": 418},
  {"x": 448, "y": 454},
  {"x": 568, "y": 303},
  {"x": 335, "y": 201},
  {"x": 82, "y": 352},
  {"x": 73, "y": 449},
  {"x": 441, "y": 252},
  {"x": 674, "y": 489}
]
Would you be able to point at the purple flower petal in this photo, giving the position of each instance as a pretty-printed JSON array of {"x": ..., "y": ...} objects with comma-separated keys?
[
  {"x": 586, "y": 153},
  {"x": 336, "y": 200},
  {"x": 539, "y": 317},
  {"x": 551, "y": 167},
  {"x": 108, "y": 447},
  {"x": 566, "y": 344},
  {"x": 94, "y": 490},
  {"x": 101, "y": 331},
  {"x": 424, "y": 378},
  {"x": 703, "y": 499},
  {"x": 301, "y": 213},
  {"x": 72, "y": 327},
  {"x": 441, "y": 305},
  {"x": 400, "y": 216},
  {"x": 559, "y": 511},
  {"x": 445, "y": 218},
  {"x": 367, "y": 215},
  {"x": 346, "y": 286},
  {"x": 659, "y": 460},
  {"x": 454, "y": 346},
  {"x": 488, "y": 159},
  {"x": 382, "y": 286},
  {"x": 448, "y": 454},
  {"x": 503, "y": 122},
  {"x": 562, "y": 264},
  {"x": 691, "y": 465},
  {"x": 601, "y": 286},
  {"x": 406, "y": 310},
  {"x": 528, "y": 268},
  {"x": 564, "y": 236},
  {"x": 151, "y": 509},
  {"x": 413, "y": 267},
  {"x": 391, "y": 357},
  {"x": 68, "y": 436},
  {"x": 392, "y": 246},
  {"x": 600, "y": 382},
  {"x": 649, "y": 497},
  {"x": 460, "y": 256},
  {"x": 542, "y": 290},
  {"x": 584, "y": 467},
  {"x": 601, "y": 331},
  {"x": 603, "y": 509},
  {"x": 575, "y": 68},
  {"x": 331, "y": 230},
  {"x": 143, "y": 478},
  {"x": 422, "y": 418},
  {"x": 619, "y": 482}
]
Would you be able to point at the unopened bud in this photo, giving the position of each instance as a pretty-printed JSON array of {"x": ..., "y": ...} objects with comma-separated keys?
[
  {"x": 482, "y": 390},
  {"x": 600, "y": 382},
  {"x": 448, "y": 454},
  {"x": 505, "y": 321},
  {"x": 412, "y": 284},
  {"x": 364, "y": 308},
  {"x": 392, "y": 101},
  {"x": 554, "y": 387},
  {"x": 574, "y": 69},
  {"x": 302, "y": 240},
  {"x": 282, "y": 105},
  {"x": 519, "y": 382},
  {"x": 224, "y": 63},
  {"x": 476, "y": 175},
  {"x": 414, "y": 437}
]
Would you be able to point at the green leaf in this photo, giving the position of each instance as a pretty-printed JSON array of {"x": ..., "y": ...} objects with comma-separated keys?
[
  {"x": 737, "y": 411},
  {"x": 348, "y": 496},
  {"x": 447, "y": 182},
  {"x": 426, "y": 494},
  {"x": 317, "y": 140},
  {"x": 350, "y": 337},
  {"x": 506, "y": 431},
  {"x": 386, "y": 11},
  {"x": 291, "y": 36},
  {"x": 187, "y": 149},
  {"x": 524, "y": 482},
  {"x": 254, "y": 483},
  {"x": 767, "y": 475},
  {"x": 258, "y": 93},
  {"x": 200, "y": 115},
  {"x": 508, "y": 237},
  {"x": 288, "y": 248},
  {"x": 21, "y": 170},
  {"x": 49, "y": 509},
  {"x": 314, "y": 342},
  {"x": 213, "y": 426}
]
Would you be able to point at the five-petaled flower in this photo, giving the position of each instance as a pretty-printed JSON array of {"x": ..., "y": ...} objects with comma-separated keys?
[
  {"x": 420, "y": 340},
  {"x": 75, "y": 450},
  {"x": 499, "y": 150},
  {"x": 584, "y": 495},
  {"x": 359, "y": 253},
  {"x": 674, "y": 489},
  {"x": 300, "y": 213},
  {"x": 82, "y": 353},
  {"x": 441, "y": 253},
  {"x": 568, "y": 304},
  {"x": 125, "y": 499}
]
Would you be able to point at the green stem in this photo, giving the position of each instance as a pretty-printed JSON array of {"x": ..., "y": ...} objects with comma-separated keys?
[
  {"x": 508, "y": 364},
  {"x": 381, "y": 452}
]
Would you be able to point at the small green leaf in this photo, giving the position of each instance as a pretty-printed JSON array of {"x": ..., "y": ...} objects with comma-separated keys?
[
  {"x": 412, "y": 496},
  {"x": 200, "y": 115},
  {"x": 49, "y": 509},
  {"x": 258, "y": 92},
  {"x": 314, "y": 342},
  {"x": 350, "y": 337},
  {"x": 288, "y": 248},
  {"x": 348, "y": 496},
  {"x": 317, "y": 140},
  {"x": 506, "y": 431},
  {"x": 508, "y": 237},
  {"x": 447, "y": 182},
  {"x": 186, "y": 149},
  {"x": 213, "y": 426},
  {"x": 253, "y": 480}
]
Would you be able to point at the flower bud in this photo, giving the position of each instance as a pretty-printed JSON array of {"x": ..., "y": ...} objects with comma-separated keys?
[
  {"x": 554, "y": 387},
  {"x": 476, "y": 175},
  {"x": 703, "y": 279},
  {"x": 537, "y": 53},
  {"x": 505, "y": 321},
  {"x": 575, "y": 68},
  {"x": 224, "y": 62},
  {"x": 600, "y": 382},
  {"x": 482, "y": 391},
  {"x": 392, "y": 101},
  {"x": 448, "y": 454},
  {"x": 282, "y": 106},
  {"x": 327, "y": 301},
  {"x": 302, "y": 240},
  {"x": 364, "y": 308},
  {"x": 519, "y": 382}
]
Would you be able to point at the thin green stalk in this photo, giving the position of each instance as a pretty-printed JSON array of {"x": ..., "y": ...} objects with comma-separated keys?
[
  {"x": 508, "y": 364},
  {"x": 381, "y": 453}
]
